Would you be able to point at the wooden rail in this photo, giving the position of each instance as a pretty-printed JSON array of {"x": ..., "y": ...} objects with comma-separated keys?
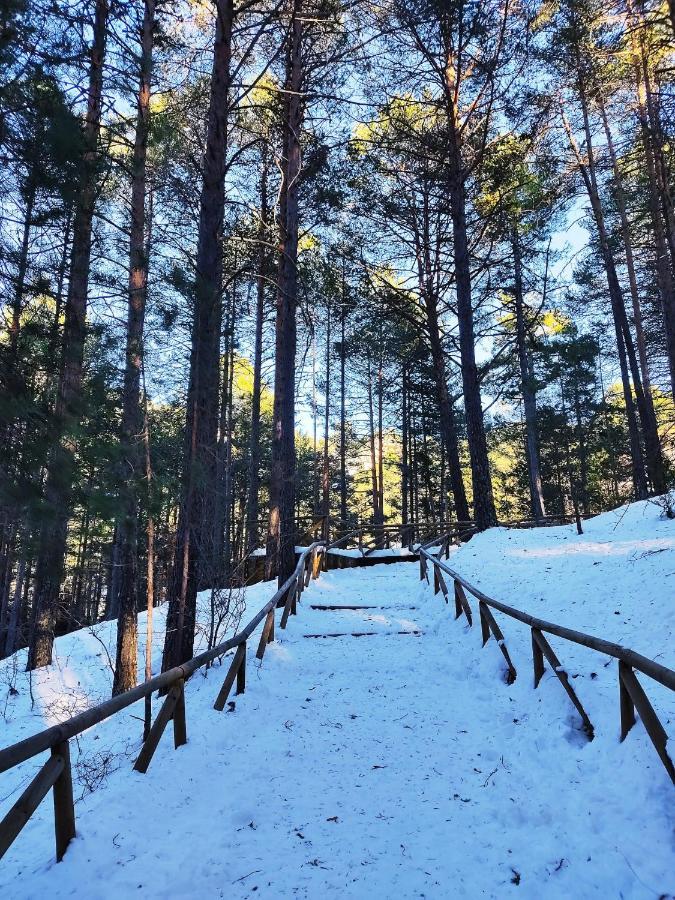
[
  {"x": 55, "y": 774},
  {"x": 631, "y": 694}
]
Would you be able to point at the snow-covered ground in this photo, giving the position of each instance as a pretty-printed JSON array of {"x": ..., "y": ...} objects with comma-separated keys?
[{"x": 394, "y": 765}]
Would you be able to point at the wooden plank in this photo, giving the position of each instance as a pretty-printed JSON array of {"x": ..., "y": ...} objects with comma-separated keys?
[
  {"x": 338, "y": 634},
  {"x": 266, "y": 636},
  {"x": 563, "y": 678},
  {"x": 484, "y": 623},
  {"x": 441, "y": 583},
  {"x": 241, "y": 671},
  {"x": 224, "y": 692},
  {"x": 489, "y": 619},
  {"x": 28, "y": 802},
  {"x": 460, "y": 598},
  {"x": 179, "y": 726},
  {"x": 339, "y": 606},
  {"x": 287, "y": 606},
  {"x": 650, "y": 720},
  {"x": 537, "y": 659},
  {"x": 157, "y": 730},
  {"x": 626, "y": 705},
  {"x": 64, "y": 806}
]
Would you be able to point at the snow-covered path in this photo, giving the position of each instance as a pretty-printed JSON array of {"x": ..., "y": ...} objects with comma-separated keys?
[{"x": 395, "y": 765}]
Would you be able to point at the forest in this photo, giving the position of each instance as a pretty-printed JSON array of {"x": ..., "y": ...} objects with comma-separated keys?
[{"x": 272, "y": 268}]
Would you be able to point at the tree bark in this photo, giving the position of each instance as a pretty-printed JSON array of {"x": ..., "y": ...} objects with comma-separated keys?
[
  {"x": 132, "y": 415},
  {"x": 343, "y": 411},
  {"x": 252, "y": 502},
  {"x": 280, "y": 558},
  {"x": 527, "y": 387},
  {"x": 67, "y": 408},
  {"x": 375, "y": 492},
  {"x": 194, "y": 552},
  {"x": 665, "y": 258},
  {"x": 325, "y": 473},
  {"x": 483, "y": 500}
]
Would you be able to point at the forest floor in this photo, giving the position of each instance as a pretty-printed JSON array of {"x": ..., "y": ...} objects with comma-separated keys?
[{"x": 394, "y": 764}]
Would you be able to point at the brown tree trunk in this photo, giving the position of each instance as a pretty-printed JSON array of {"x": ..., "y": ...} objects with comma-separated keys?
[
  {"x": 280, "y": 558},
  {"x": 252, "y": 502},
  {"x": 194, "y": 552},
  {"x": 150, "y": 568},
  {"x": 483, "y": 500},
  {"x": 375, "y": 492},
  {"x": 527, "y": 388},
  {"x": 446, "y": 414},
  {"x": 404, "y": 452},
  {"x": 67, "y": 409},
  {"x": 664, "y": 250},
  {"x": 343, "y": 411},
  {"x": 654, "y": 457},
  {"x": 380, "y": 440},
  {"x": 325, "y": 474},
  {"x": 132, "y": 414}
]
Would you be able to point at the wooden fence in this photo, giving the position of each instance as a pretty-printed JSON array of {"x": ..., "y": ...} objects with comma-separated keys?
[
  {"x": 631, "y": 694},
  {"x": 55, "y": 774}
]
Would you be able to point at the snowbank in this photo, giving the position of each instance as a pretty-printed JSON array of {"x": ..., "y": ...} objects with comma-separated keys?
[{"x": 616, "y": 581}]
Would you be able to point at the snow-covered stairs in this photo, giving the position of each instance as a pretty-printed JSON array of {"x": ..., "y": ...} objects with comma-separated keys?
[{"x": 395, "y": 766}]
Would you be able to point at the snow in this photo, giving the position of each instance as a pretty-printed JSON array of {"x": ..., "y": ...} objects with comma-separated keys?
[
  {"x": 355, "y": 553},
  {"x": 395, "y": 764}
]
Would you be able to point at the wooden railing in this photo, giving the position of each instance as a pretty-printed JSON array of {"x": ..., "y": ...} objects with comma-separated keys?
[
  {"x": 368, "y": 538},
  {"x": 55, "y": 774},
  {"x": 631, "y": 694}
]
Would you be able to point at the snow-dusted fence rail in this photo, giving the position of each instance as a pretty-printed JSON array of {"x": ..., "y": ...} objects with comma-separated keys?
[
  {"x": 55, "y": 774},
  {"x": 631, "y": 694}
]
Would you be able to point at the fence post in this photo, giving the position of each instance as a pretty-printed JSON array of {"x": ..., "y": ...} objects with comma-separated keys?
[
  {"x": 625, "y": 702},
  {"x": 179, "y": 727},
  {"x": 241, "y": 671},
  {"x": 537, "y": 659},
  {"x": 224, "y": 692},
  {"x": 64, "y": 808},
  {"x": 484, "y": 624}
]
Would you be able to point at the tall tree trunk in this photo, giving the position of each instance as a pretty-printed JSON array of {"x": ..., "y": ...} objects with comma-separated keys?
[
  {"x": 483, "y": 500},
  {"x": 12, "y": 634},
  {"x": 630, "y": 260},
  {"x": 150, "y": 566},
  {"x": 325, "y": 474},
  {"x": 343, "y": 411},
  {"x": 67, "y": 408},
  {"x": 194, "y": 552},
  {"x": 446, "y": 414},
  {"x": 581, "y": 442},
  {"x": 132, "y": 414},
  {"x": 404, "y": 452},
  {"x": 380, "y": 438},
  {"x": 527, "y": 388},
  {"x": 22, "y": 269},
  {"x": 665, "y": 259},
  {"x": 654, "y": 457},
  {"x": 252, "y": 502},
  {"x": 222, "y": 503},
  {"x": 280, "y": 557},
  {"x": 375, "y": 492}
]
